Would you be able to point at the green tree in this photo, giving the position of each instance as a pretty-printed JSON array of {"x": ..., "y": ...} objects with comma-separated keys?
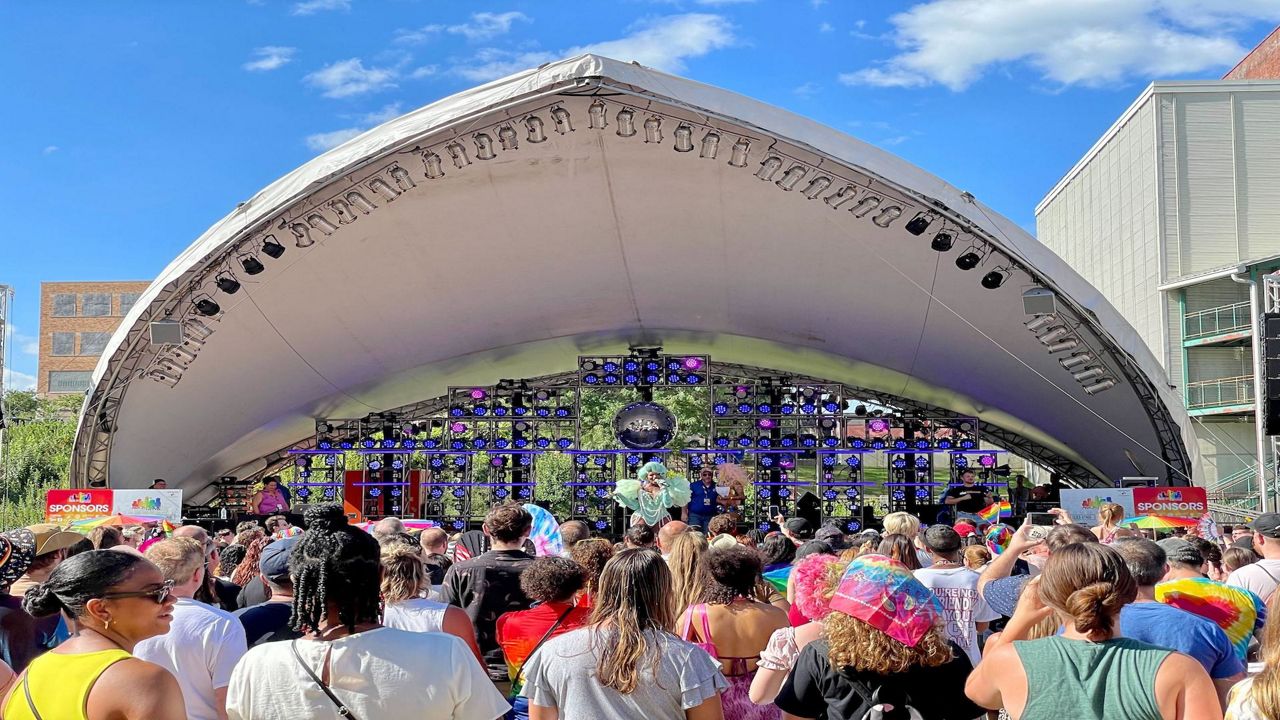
[{"x": 37, "y": 454}]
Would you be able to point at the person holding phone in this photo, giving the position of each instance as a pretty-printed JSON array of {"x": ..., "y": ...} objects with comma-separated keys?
[{"x": 968, "y": 498}]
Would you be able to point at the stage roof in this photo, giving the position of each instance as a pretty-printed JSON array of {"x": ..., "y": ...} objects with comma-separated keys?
[{"x": 585, "y": 206}]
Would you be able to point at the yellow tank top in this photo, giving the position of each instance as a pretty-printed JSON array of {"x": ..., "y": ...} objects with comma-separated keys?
[{"x": 60, "y": 685}]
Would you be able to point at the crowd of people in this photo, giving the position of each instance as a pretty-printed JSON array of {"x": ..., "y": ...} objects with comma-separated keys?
[{"x": 700, "y": 621}]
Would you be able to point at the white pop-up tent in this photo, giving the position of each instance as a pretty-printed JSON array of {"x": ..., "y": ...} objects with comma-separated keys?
[{"x": 588, "y": 205}]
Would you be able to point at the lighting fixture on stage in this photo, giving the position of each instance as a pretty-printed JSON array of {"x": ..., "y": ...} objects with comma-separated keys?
[
  {"x": 1041, "y": 322},
  {"x": 878, "y": 425},
  {"x": 251, "y": 264},
  {"x": 536, "y": 128},
  {"x": 792, "y": 177},
  {"x": 653, "y": 129},
  {"x": 1104, "y": 384},
  {"x": 596, "y": 119},
  {"x": 626, "y": 118},
  {"x": 484, "y": 146},
  {"x": 435, "y": 166},
  {"x": 816, "y": 186},
  {"x": 458, "y": 153},
  {"x": 886, "y": 216},
  {"x": 1053, "y": 335},
  {"x": 918, "y": 224},
  {"x": 865, "y": 205},
  {"x": 207, "y": 307},
  {"x": 995, "y": 278},
  {"x": 1075, "y": 361},
  {"x": 1089, "y": 374},
  {"x": 227, "y": 284},
  {"x": 560, "y": 117},
  {"x": 508, "y": 138},
  {"x": 970, "y": 259},
  {"x": 684, "y": 138},
  {"x": 942, "y": 242},
  {"x": 764, "y": 408},
  {"x": 768, "y": 167},
  {"x": 710, "y": 145},
  {"x": 1065, "y": 345}
]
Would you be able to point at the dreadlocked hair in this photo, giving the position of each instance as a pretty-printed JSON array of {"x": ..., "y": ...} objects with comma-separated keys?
[{"x": 333, "y": 565}]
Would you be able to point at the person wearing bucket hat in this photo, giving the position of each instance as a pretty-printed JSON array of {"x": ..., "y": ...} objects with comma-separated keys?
[
  {"x": 884, "y": 642},
  {"x": 51, "y": 543},
  {"x": 17, "y": 627}
]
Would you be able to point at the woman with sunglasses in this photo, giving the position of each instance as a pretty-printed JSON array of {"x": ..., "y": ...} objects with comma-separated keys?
[{"x": 117, "y": 599}]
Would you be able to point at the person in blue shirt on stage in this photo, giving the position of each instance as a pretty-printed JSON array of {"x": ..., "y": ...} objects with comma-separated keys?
[{"x": 704, "y": 503}]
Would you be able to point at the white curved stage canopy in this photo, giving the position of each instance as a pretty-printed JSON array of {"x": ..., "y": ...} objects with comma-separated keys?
[{"x": 587, "y": 206}]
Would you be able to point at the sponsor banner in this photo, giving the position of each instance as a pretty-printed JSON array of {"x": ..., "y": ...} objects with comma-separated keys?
[
  {"x": 1083, "y": 504},
  {"x": 65, "y": 506},
  {"x": 1187, "y": 502},
  {"x": 165, "y": 503}
]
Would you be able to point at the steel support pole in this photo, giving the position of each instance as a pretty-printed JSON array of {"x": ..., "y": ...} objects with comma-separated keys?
[{"x": 1260, "y": 438}]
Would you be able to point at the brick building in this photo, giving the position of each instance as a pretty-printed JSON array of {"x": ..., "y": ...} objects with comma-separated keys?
[
  {"x": 76, "y": 320},
  {"x": 1263, "y": 63}
]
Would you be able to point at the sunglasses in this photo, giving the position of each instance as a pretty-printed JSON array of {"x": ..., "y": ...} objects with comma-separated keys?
[{"x": 159, "y": 595}]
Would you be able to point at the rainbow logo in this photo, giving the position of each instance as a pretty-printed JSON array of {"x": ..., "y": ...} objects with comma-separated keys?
[
  {"x": 81, "y": 497},
  {"x": 151, "y": 503},
  {"x": 1169, "y": 495},
  {"x": 1094, "y": 502}
]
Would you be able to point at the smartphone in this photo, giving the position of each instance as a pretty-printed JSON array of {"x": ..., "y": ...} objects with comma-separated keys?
[
  {"x": 1041, "y": 518},
  {"x": 774, "y": 511}
]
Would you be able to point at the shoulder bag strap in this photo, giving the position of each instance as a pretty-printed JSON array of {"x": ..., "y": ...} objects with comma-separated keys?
[
  {"x": 544, "y": 637},
  {"x": 343, "y": 710},
  {"x": 26, "y": 688}
]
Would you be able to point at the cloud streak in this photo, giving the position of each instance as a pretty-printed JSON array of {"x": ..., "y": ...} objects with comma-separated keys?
[
  {"x": 311, "y": 7},
  {"x": 271, "y": 57},
  {"x": 347, "y": 78}
]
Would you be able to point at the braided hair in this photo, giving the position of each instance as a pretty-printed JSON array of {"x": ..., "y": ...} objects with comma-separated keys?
[{"x": 334, "y": 565}]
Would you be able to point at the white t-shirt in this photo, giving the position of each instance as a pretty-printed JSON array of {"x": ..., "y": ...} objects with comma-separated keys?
[
  {"x": 201, "y": 649},
  {"x": 382, "y": 673},
  {"x": 1260, "y": 577},
  {"x": 963, "y": 606},
  {"x": 415, "y": 615}
]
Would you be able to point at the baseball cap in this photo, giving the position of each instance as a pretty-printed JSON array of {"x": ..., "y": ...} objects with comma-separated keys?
[
  {"x": 50, "y": 538},
  {"x": 941, "y": 538},
  {"x": 274, "y": 563},
  {"x": 1245, "y": 542},
  {"x": 964, "y": 529},
  {"x": 833, "y": 536},
  {"x": 800, "y": 528},
  {"x": 17, "y": 551},
  {"x": 1267, "y": 523},
  {"x": 723, "y": 541},
  {"x": 1180, "y": 551}
]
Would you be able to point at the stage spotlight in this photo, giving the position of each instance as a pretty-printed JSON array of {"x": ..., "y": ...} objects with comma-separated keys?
[
  {"x": 251, "y": 264},
  {"x": 710, "y": 145},
  {"x": 942, "y": 242},
  {"x": 596, "y": 115},
  {"x": 969, "y": 260},
  {"x": 271, "y": 248},
  {"x": 1075, "y": 361},
  {"x": 918, "y": 224},
  {"x": 1054, "y": 335},
  {"x": 537, "y": 131},
  {"x": 653, "y": 129},
  {"x": 228, "y": 284},
  {"x": 684, "y": 138},
  {"x": 1099, "y": 386},
  {"x": 626, "y": 118},
  {"x": 1089, "y": 374},
  {"x": 994, "y": 279},
  {"x": 738, "y": 158},
  {"x": 207, "y": 307},
  {"x": 560, "y": 117},
  {"x": 1040, "y": 323},
  {"x": 1065, "y": 345}
]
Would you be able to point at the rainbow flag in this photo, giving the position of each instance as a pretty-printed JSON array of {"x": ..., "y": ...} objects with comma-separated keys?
[
  {"x": 996, "y": 510},
  {"x": 167, "y": 526},
  {"x": 778, "y": 577}
]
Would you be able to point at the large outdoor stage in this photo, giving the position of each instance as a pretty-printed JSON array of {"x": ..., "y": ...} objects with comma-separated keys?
[{"x": 586, "y": 212}]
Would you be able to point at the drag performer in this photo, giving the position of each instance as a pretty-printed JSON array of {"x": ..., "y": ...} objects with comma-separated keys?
[
  {"x": 649, "y": 496},
  {"x": 734, "y": 478}
]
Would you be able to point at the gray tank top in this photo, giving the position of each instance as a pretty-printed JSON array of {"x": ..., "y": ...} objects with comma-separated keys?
[{"x": 1111, "y": 680}]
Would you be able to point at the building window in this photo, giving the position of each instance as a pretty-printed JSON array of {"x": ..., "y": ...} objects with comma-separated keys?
[
  {"x": 63, "y": 381},
  {"x": 64, "y": 305},
  {"x": 126, "y": 302},
  {"x": 64, "y": 343},
  {"x": 93, "y": 343},
  {"x": 96, "y": 305}
]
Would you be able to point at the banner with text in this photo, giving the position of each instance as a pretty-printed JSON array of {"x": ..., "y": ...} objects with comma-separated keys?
[
  {"x": 165, "y": 503},
  {"x": 1083, "y": 504},
  {"x": 1187, "y": 502},
  {"x": 66, "y": 506}
]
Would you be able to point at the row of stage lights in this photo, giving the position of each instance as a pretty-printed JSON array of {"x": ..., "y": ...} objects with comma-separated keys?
[
  {"x": 972, "y": 257},
  {"x": 810, "y": 440},
  {"x": 1057, "y": 338},
  {"x": 639, "y": 371}
]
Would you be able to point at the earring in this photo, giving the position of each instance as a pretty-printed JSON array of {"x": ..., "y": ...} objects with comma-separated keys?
[{"x": 106, "y": 624}]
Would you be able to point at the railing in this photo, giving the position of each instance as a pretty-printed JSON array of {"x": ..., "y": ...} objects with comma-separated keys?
[
  {"x": 1242, "y": 483},
  {"x": 1216, "y": 321},
  {"x": 1220, "y": 392}
]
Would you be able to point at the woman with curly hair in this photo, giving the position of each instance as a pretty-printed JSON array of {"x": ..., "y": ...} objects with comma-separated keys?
[
  {"x": 346, "y": 663},
  {"x": 228, "y": 560},
  {"x": 883, "y": 642},
  {"x": 812, "y": 584},
  {"x": 248, "y": 568},
  {"x": 591, "y": 554}
]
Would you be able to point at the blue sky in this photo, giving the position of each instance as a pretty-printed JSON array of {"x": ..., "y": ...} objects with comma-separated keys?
[{"x": 128, "y": 128}]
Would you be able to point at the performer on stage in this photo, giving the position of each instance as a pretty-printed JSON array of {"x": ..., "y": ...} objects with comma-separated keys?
[
  {"x": 705, "y": 500},
  {"x": 735, "y": 477},
  {"x": 968, "y": 498},
  {"x": 649, "y": 497}
]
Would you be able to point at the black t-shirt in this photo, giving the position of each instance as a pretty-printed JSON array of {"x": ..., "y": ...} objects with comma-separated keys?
[
  {"x": 814, "y": 688},
  {"x": 254, "y": 592},
  {"x": 486, "y": 587},
  {"x": 267, "y": 622},
  {"x": 972, "y": 499},
  {"x": 17, "y": 634}
]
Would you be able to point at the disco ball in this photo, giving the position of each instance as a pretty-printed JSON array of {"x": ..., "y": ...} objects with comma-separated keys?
[{"x": 644, "y": 426}]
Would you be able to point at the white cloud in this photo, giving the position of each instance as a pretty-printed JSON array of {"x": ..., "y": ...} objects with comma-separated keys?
[
  {"x": 895, "y": 140},
  {"x": 271, "y": 57},
  {"x": 320, "y": 142},
  {"x": 826, "y": 27},
  {"x": 492, "y": 63},
  {"x": 377, "y": 117},
  {"x": 424, "y": 71},
  {"x": 487, "y": 25},
  {"x": 418, "y": 36},
  {"x": 717, "y": 3},
  {"x": 18, "y": 380},
  {"x": 1086, "y": 42},
  {"x": 50, "y": 149},
  {"x": 346, "y": 78},
  {"x": 311, "y": 7},
  {"x": 807, "y": 90}
]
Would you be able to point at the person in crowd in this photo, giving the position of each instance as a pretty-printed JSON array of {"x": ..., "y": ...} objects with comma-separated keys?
[
  {"x": 812, "y": 547},
  {"x": 687, "y": 573},
  {"x": 956, "y": 587},
  {"x": 752, "y": 538},
  {"x": 722, "y": 524},
  {"x": 553, "y": 583},
  {"x": 223, "y": 538},
  {"x": 1000, "y": 586},
  {"x": 704, "y": 502},
  {"x": 904, "y": 523},
  {"x": 51, "y": 544},
  {"x": 1019, "y": 495},
  {"x": 17, "y": 628},
  {"x": 900, "y": 548},
  {"x": 404, "y": 579},
  {"x": 84, "y": 545},
  {"x": 133, "y": 535},
  {"x": 117, "y": 600},
  {"x": 489, "y": 585},
  {"x": 573, "y": 531},
  {"x": 1212, "y": 554},
  {"x": 271, "y": 499},
  {"x": 668, "y": 533},
  {"x": 248, "y": 569},
  {"x": 1234, "y": 558},
  {"x": 626, "y": 663},
  {"x": 833, "y": 536},
  {"x": 346, "y": 659},
  {"x": 1090, "y": 668},
  {"x": 883, "y": 642},
  {"x": 1154, "y": 622},
  {"x": 105, "y": 537},
  {"x": 203, "y": 643},
  {"x": 777, "y": 551},
  {"x": 591, "y": 554},
  {"x": 472, "y": 543},
  {"x": 275, "y": 524},
  {"x": 215, "y": 592},
  {"x": 1237, "y": 611},
  {"x": 159, "y": 484},
  {"x": 228, "y": 559},
  {"x": 435, "y": 558},
  {"x": 639, "y": 536},
  {"x": 386, "y": 527},
  {"x": 968, "y": 498},
  {"x": 811, "y": 577},
  {"x": 976, "y": 557},
  {"x": 269, "y": 621},
  {"x": 1258, "y": 697},
  {"x": 798, "y": 530},
  {"x": 1239, "y": 532},
  {"x": 1261, "y": 577},
  {"x": 734, "y": 626},
  {"x": 1108, "y": 527}
]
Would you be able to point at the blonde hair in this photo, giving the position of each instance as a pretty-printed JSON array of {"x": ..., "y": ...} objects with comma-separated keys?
[
  {"x": 858, "y": 646},
  {"x": 901, "y": 523},
  {"x": 403, "y": 575},
  {"x": 1110, "y": 514},
  {"x": 177, "y": 558},
  {"x": 975, "y": 556},
  {"x": 634, "y": 597},
  {"x": 685, "y": 562},
  {"x": 1265, "y": 692}
]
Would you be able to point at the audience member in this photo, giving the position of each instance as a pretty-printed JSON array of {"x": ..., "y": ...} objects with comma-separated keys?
[
  {"x": 1234, "y": 558},
  {"x": 900, "y": 548},
  {"x": 117, "y": 600},
  {"x": 812, "y": 597},
  {"x": 976, "y": 557},
  {"x": 51, "y": 543},
  {"x": 1237, "y": 611},
  {"x": 591, "y": 554},
  {"x": 489, "y": 585},
  {"x": 999, "y": 587},
  {"x": 687, "y": 571},
  {"x": 215, "y": 592},
  {"x": 269, "y": 621},
  {"x": 1089, "y": 672},
  {"x": 668, "y": 533},
  {"x": 387, "y": 527},
  {"x": 722, "y": 524},
  {"x": 833, "y": 536},
  {"x": 884, "y": 642},
  {"x": 1212, "y": 554},
  {"x": 639, "y": 536},
  {"x": 17, "y": 628},
  {"x": 1258, "y": 697},
  {"x": 1108, "y": 528},
  {"x": 204, "y": 643},
  {"x": 435, "y": 547},
  {"x": 404, "y": 580},
  {"x": 228, "y": 558},
  {"x": 1262, "y": 577},
  {"x": 626, "y": 663},
  {"x": 105, "y": 537},
  {"x": 904, "y": 523},
  {"x": 248, "y": 568},
  {"x": 798, "y": 530},
  {"x": 956, "y": 587},
  {"x": 346, "y": 661}
]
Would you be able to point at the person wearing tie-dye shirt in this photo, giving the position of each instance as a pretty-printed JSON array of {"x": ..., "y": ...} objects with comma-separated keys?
[{"x": 1237, "y": 611}]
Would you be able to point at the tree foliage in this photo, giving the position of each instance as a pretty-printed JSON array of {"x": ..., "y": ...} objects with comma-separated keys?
[{"x": 37, "y": 453}]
